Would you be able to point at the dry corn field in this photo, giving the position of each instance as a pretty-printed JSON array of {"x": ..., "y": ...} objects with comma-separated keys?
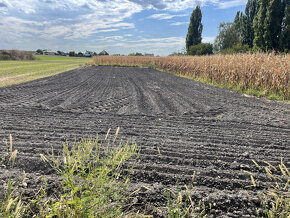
[{"x": 268, "y": 73}]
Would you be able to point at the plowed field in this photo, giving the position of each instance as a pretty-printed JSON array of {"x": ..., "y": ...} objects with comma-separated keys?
[{"x": 196, "y": 127}]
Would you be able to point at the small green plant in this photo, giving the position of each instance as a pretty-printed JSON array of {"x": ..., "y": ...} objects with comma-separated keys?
[
  {"x": 220, "y": 116},
  {"x": 275, "y": 200}
]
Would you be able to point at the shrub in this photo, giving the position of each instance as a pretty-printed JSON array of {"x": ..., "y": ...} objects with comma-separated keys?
[
  {"x": 5, "y": 57},
  {"x": 16, "y": 55},
  {"x": 238, "y": 48},
  {"x": 201, "y": 49}
]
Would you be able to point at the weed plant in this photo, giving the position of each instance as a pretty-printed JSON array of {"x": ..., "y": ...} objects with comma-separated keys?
[
  {"x": 92, "y": 182},
  {"x": 10, "y": 205},
  {"x": 180, "y": 203},
  {"x": 275, "y": 200}
]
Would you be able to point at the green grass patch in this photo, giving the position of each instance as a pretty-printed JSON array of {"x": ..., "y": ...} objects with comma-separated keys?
[
  {"x": 61, "y": 58},
  {"x": 15, "y": 72}
]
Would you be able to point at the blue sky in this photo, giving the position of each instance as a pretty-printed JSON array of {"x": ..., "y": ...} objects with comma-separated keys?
[{"x": 118, "y": 26}]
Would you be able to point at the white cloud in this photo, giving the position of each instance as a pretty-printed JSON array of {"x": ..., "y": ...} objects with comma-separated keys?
[
  {"x": 229, "y": 4},
  {"x": 26, "y": 6},
  {"x": 179, "y": 23},
  {"x": 72, "y": 19},
  {"x": 63, "y": 24},
  {"x": 171, "y": 5},
  {"x": 68, "y": 19},
  {"x": 166, "y": 16}
]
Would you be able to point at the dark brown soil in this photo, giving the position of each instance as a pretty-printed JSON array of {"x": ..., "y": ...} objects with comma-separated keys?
[{"x": 196, "y": 127}]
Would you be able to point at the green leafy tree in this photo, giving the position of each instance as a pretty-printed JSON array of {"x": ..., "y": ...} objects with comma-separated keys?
[
  {"x": 272, "y": 25},
  {"x": 72, "y": 53},
  {"x": 247, "y": 29},
  {"x": 39, "y": 51},
  {"x": 195, "y": 29},
  {"x": 201, "y": 49},
  {"x": 135, "y": 54},
  {"x": 285, "y": 27},
  {"x": 60, "y": 53},
  {"x": 228, "y": 37},
  {"x": 237, "y": 48},
  {"x": 259, "y": 22}
]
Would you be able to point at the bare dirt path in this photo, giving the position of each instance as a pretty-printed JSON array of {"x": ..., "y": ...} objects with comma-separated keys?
[{"x": 196, "y": 127}]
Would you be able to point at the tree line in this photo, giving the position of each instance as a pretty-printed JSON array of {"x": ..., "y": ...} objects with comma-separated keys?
[
  {"x": 72, "y": 53},
  {"x": 263, "y": 26}
]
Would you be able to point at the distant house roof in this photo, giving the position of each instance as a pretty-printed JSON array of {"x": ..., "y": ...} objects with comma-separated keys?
[
  {"x": 152, "y": 55},
  {"x": 47, "y": 51},
  {"x": 88, "y": 53},
  {"x": 103, "y": 53}
]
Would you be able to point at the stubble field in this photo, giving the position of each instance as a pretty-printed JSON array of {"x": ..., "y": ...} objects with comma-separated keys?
[{"x": 15, "y": 72}]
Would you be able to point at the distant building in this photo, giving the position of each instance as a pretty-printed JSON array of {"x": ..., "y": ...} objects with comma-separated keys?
[
  {"x": 103, "y": 53},
  {"x": 48, "y": 52},
  {"x": 88, "y": 54},
  {"x": 149, "y": 55}
]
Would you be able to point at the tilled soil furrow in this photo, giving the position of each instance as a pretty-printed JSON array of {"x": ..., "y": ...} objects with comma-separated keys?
[{"x": 182, "y": 127}]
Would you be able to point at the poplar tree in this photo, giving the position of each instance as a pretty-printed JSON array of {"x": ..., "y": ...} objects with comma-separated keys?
[
  {"x": 272, "y": 25},
  {"x": 259, "y": 21},
  {"x": 247, "y": 29},
  {"x": 195, "y": 29},
  {"x": 238, "y": 21},
  {"x": 285, "y": 27}
]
